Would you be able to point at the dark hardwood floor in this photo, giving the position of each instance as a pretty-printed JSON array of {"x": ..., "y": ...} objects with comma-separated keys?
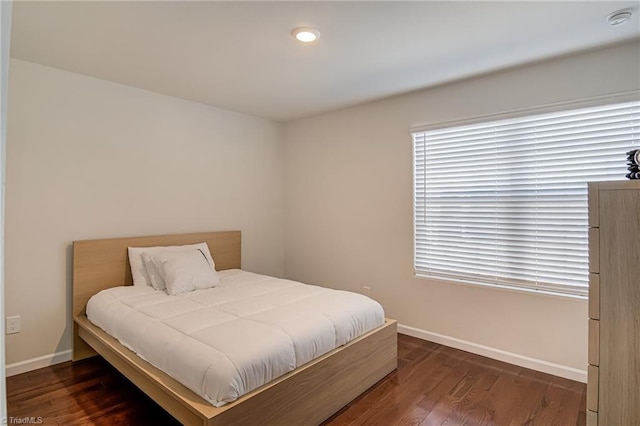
[{"x": 434, "y": 385}]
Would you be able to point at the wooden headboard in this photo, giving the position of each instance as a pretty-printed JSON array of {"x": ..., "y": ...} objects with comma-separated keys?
[{"x": 102, "y": 264}]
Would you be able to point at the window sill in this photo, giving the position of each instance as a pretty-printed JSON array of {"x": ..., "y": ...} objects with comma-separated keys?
[{"x": 501, "y": 287}]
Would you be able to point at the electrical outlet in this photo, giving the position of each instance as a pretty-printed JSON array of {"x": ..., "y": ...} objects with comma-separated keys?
[
  {"x": 366, "y": 290},
  {"x": 13, "y": 324}
]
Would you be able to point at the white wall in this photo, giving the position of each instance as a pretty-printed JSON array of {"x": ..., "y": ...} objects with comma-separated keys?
[
  {"x": 87, "y": 158},
  {"x": 349, "y": 210},
  {"x": 5, "y": 35}
]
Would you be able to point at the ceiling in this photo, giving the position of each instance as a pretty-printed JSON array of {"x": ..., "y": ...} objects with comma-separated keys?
[{"x": 240, "y": 55}]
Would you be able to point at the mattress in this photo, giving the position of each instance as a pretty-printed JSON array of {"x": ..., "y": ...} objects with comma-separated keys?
[{"x": 228, "y": 340}]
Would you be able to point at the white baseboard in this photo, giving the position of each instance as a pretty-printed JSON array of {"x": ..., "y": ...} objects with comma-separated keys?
[
  {"x": 500, "y": 355},
  {"x": 39, "y": 362}
]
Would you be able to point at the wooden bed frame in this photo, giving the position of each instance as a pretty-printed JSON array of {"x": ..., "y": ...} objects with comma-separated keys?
[{"x": 306, "y": 396}]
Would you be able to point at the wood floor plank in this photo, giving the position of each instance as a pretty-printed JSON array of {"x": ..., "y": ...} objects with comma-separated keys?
[
  {"x": 427, "y": 374},
  {"x": 434, "y": 385}
]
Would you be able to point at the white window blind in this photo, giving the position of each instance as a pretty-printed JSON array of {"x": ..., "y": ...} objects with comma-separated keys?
[{"x": 505, "y": 202}]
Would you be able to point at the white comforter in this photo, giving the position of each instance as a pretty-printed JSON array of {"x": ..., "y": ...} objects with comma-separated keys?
[{"x": 228, "y": 340}]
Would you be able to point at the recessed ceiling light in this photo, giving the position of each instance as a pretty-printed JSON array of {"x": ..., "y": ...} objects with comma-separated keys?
[
  {"x": 618, "y": 18},
  {"x": 306, "y": 34}
]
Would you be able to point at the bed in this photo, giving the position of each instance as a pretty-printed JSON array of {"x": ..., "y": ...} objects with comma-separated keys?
[{"x": 307, "y": 395}]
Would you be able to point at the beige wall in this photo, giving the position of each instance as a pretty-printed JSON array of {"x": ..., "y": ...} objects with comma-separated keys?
[
  {"x": 349, "y": 206},
  {"x": 90, "y": 159},
  {"x": 5, "y": 35}
]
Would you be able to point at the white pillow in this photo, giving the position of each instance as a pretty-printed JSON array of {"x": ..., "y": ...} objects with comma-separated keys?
[
  {"x": 153, "y": 271},
  {"x": 138, "y": 268},
  {"x": 185, "y": 271}
]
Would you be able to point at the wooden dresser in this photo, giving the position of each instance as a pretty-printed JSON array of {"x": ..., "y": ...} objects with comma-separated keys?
[{"x": 613, "y": 389}]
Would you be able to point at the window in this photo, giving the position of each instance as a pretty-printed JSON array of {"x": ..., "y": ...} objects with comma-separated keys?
[{"x": 504, "y": 202}]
